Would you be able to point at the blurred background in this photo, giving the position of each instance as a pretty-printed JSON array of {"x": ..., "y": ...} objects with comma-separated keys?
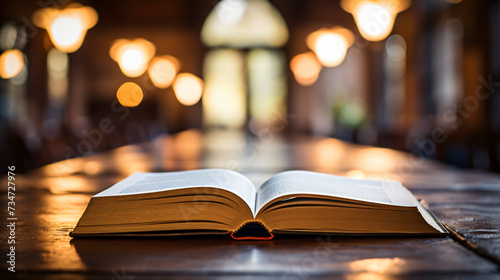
[{"x": 82, "y": 77}]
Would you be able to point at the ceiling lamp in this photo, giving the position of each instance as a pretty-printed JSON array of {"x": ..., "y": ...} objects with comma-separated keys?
[
  {"x": 375, "y": 18},
  {"x": 132, "y": 55},
  {"x": 11, "y": 63},
  {"x": 330, "y": 44},
  {"x": 129, "y": 94},
  {"x": 305, "y": 68},
  {"x": 188, "y": 89},
  {"x": 162, "y": 70},
  {"x": 66, "y": 27}
]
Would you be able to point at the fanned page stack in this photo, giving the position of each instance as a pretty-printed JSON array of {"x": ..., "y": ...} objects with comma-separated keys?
[{"x": 219, "y": 201}]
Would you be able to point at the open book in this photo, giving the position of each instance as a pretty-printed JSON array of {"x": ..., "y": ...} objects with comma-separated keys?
[{"x": 219, "y": 201}]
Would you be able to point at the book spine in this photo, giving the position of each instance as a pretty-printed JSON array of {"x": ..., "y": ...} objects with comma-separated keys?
[{"x": 252, "y": 230}]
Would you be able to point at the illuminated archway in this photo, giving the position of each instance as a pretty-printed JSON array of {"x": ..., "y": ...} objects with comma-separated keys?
[{"x": 244, "y": 37}]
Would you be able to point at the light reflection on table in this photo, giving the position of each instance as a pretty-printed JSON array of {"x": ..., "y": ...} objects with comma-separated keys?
[{"x": 53, "y": 198}]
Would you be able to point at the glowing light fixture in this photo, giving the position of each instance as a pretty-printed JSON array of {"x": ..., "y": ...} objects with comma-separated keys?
[
  {"x": 330, "y": 45},
  {"x": 129, "y": 94},
  {"x": 162, "y": 70},
  {"x": 375, "y": 18},
  {"x": 11, "y": 63},
  {"x": 305, "y": 68},
  {"x": 66, "y": 27},
  {"x": 188, "y": 89},
  {"x": 132, "y": 56}
]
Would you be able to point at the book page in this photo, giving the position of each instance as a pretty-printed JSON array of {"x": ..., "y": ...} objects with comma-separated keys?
[
  {"x": 229, "y": 180},
  {"x": 306, "y": 182}
]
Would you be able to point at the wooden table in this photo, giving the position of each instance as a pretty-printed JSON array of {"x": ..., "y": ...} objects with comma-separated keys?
[{"x": 50, "y": 200}]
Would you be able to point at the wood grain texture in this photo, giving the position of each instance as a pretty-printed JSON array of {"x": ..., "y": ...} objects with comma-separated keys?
[
  {"x": 50, "y": 201},
  {"x": 479, "y": 224}
]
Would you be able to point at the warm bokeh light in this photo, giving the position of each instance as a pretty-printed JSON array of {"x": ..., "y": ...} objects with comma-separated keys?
[
  {"x": 63, "y": 168},
  {"x": 130, "y": 159},
  {"x": 355, "y": 174},
  {"x": 66, "y": 27},
  {"x": 330, "y": 44},
  {"x": 188, "y": 145},
  {"x": 132, "y": 55},
  {"x": 129, "y": 94},
  {"x": 375, "y": 18},
  {"x": 162, "y": 70},
  {"x": 11, "y": 63},
  {"x": 378, "y": 265},
  {"x": 93, "y": 167},
  {"x": 366, "y": 276},
  {"x": 305, "y": 68},
  {"x": 188, "y": 89},
  {"x": 328, "y": 152},
  {"x": 331, "y": 49},
  {"x": 377, "y": 160}
]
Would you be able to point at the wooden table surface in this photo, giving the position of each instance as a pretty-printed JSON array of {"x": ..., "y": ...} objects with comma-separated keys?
[{"x": 50, "y": 200}]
